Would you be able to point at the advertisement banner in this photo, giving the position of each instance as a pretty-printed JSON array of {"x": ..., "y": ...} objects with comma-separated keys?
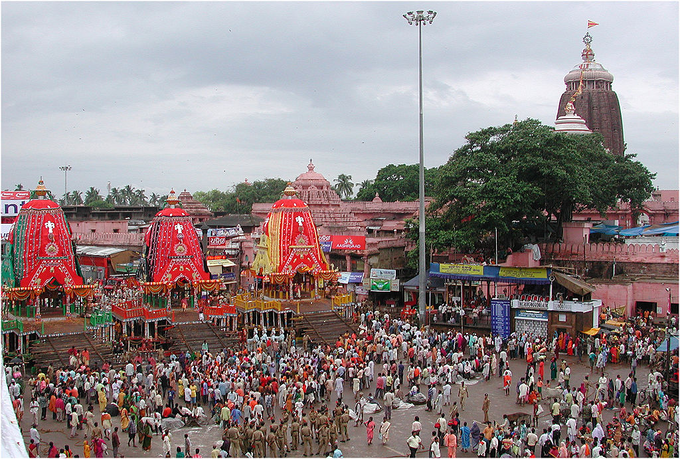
[
  {"x": 6, "y": 227},
  {"x": 380, "y": 285},
  {"x": 500, "y": 317},
  {"x": 225, "y": 232},
  {"x": 377, "y": 273},
  {"x": 351, "y": 278},
  {"x": 527, "y": 273},
  {"x": 12, "y": 202},
  {"x": 216, "y": 241},
  {"x": 473, "y": 270},
  {"x": 326, "y": 246},
  {"x": 344, "y": 242}
]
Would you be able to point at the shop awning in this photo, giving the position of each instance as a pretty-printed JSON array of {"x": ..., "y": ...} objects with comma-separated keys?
[
  {"x": 573, "y": 284},
  {"x": 663, "y": 347},
  {"x": 505, "y": 274},
  {"x": 224, "y": 262},
  {"x": 591, "y": 332}
]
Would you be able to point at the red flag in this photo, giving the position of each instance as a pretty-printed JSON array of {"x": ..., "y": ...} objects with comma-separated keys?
[{"x": 592, "y": 24}]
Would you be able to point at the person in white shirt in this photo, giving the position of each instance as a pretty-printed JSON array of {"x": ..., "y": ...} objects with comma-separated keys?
[
  {"x": 571, "y": 429},
  {"x": 416, "y": 426}
]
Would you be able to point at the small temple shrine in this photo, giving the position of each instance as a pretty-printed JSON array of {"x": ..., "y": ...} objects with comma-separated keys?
[{"x": 40, "y": 274}]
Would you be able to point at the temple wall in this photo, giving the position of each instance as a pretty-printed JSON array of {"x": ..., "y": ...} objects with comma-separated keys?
[{"x": 608, "y": 251}]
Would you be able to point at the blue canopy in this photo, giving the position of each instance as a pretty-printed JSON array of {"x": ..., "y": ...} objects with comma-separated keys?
[
  {"x": 637, "y": 231},
  {"x": 663, "y": 347},
  {"x": 610, "y": 230},
  {"x": 663, "y": 229}
]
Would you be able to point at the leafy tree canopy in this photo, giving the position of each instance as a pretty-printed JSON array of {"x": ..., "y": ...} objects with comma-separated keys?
[
  {"x": 525, "y": 172},
  {"x": 240, "y": 200},
  {"x": 397, "y": 183}
]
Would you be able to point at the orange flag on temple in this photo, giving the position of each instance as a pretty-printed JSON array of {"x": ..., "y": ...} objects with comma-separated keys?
[{"x": 592, "y": 24}]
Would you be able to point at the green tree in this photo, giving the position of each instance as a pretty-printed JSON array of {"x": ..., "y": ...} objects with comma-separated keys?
[
  {"x": 398, "y": 183},
  {"x": 72, "y": 198},
  {"x": 92, "y": 195},
  {"x": 366, "y": 189},
  {"x": 344, "y": 186},
  {"x": 18, "y": 187},
  {"x": 528, "y": 174}
]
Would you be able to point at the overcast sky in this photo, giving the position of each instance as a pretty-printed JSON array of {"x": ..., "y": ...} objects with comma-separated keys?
[{"x": 199, "y": 96}]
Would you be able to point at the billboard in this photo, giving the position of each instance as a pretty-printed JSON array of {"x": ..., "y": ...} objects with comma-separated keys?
[
  {"x": 345, "y": 242},
  {"x": 12, "y": 202}
]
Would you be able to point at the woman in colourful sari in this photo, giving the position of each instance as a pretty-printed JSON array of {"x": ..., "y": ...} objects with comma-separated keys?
[
  {"x": 146, "y": 439},
  {"x": 465, "y": 437},
  {"x": 102, "y": 400},
  {"x": 124, "y": 419}
]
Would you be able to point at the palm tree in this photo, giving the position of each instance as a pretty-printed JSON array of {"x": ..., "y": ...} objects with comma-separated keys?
[
  {"x": 153, "y": 199},
  {"x": 344, "y": 186},
  {"x": 113, "y": 196},
  {"x": 76, "y": 198},
  {"x": 18, "y": 187},
  {"x": 92, "y": 195},
  {"x": 140, "y": 198},
  {"x": 128, "y": 193}
]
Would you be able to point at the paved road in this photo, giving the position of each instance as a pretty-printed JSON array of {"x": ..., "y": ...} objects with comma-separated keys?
[{"x": 204, "y": 437}]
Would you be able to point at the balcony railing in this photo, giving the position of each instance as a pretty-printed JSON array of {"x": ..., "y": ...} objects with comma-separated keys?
[{"x": 556, "y": 305}]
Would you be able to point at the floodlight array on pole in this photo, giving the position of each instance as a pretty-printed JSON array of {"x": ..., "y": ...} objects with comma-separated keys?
[
  {"x": 65, "y": 169},
  {"x": 420, "y": 18}
]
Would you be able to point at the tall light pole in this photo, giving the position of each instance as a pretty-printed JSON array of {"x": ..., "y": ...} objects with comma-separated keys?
[
  {"x": 65, "y": 169},
  {"x": 420, "y": 18}
]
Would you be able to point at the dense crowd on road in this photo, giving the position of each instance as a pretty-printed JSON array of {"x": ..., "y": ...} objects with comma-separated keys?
[{"x": 275, "y": 395}]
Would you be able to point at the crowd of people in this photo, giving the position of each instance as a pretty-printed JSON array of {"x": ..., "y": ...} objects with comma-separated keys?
[{"x": 275, "y": 395}]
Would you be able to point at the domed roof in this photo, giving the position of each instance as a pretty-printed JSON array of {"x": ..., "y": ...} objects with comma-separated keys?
[
  {"x": 312, "y": 177},
  {"x": 40, "y": 202},
  {"x": 289, "y": 200},
  {"x": 571, "y": 122},
  {"x": 172, "y": 210},
  {"x": 590, "y": 69},
  {"x": 40, "y": 249}
]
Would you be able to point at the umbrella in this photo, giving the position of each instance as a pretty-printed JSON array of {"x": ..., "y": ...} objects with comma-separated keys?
[
  {"x": 16, "y": 360},
  {"x": 664, "y": 346}
]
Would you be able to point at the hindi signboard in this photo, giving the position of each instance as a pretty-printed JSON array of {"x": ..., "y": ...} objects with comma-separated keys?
[{"x": 500, "y": 317}]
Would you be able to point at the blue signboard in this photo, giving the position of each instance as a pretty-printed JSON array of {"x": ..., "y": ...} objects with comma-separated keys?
[{"x": 500, "y": 317}]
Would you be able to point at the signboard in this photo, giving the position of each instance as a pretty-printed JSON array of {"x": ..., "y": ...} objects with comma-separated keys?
[
  {"x": 500, "y": 317},
  {"x": 377, "y": 273},
  {"x": 224, "y": 276},
  {"x": 12, "y": 202},
  {"x": 351, "y": 278},
  {"x": 225, "y": 232},
  {"x": 6, "y": 227},
  {"x": 345, "y": 242},
  {"x": 474, "y": 270},
  {"x": 527, "y": 273},
  {"x": 381, "y": 285},
  {"x": 527, "y": 314}
]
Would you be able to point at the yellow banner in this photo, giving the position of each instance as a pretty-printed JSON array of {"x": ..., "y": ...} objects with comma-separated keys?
[
  {"x": 473, "y": 270},
  {"x": 531, "y": 273}
]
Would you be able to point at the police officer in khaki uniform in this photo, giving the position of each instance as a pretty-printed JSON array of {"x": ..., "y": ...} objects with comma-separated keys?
[
  {"x": 234, "y": 441},
  {"x": 257, "y": 441},
  {"x": 324, "y": 439},
  {"x": 295, "y": 434},
  {"x": 271, "y": 441},
  {"x": 344, "y": 420},
  {"x": 306, "y": 434}
]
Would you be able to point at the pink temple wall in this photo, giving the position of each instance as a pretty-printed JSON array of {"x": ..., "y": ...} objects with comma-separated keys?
[
  {"x": 626, "y": 294},
  {"x": 642, "y": 253}
]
